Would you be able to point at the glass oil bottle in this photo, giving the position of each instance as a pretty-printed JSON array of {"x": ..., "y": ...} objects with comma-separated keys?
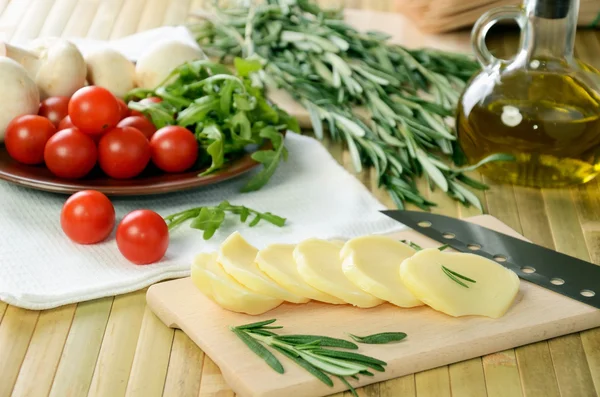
[{"x": 543, "y": 106}]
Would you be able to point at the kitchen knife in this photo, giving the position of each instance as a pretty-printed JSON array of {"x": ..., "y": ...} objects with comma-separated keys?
[{"x": 569, "y": 276}]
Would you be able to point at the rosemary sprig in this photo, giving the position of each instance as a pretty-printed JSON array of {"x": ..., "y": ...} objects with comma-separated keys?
[
  {"x": 209, "y": 219},
  {"x": 379, "y": 339},
  {"x": 311, "y": 352},
  {"x": 417, "y": 247},
  {"x": 455, "y": 277},
  {"x": 333, "y": 70}
]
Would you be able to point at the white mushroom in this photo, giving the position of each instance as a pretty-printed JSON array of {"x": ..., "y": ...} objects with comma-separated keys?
[
  {"x": 56, "y": 65},
  {"x": 110, "y": 69},
  {"x": 154, "y": 66},
  {"x": 20, "y": 94}
]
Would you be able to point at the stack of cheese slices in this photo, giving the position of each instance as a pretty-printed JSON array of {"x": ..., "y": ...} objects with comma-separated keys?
[{"x": 365, "y": 272}]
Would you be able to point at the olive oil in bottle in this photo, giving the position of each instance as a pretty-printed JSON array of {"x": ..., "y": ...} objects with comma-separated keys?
[{"x": 543, "y": 107}]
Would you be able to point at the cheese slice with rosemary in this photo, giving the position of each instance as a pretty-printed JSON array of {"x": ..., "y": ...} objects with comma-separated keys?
[
  {"x": 277, "y": 261},
  {"x": 372, "y": 263},
  {"x": 210, "y": 278},
  {"x": 460, "y": 284},
  {"x": 319, "y": 264},
  {"x": 237, "y": 257}
]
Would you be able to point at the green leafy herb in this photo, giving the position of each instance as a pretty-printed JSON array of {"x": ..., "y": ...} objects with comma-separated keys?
[
  {"x": 412, "y": 245},
  {"x": 210, "y": 219},
  {"x": 362, "y": 89},
  {"x": 227, "y": 113},
  {"x": 260, "y": 350},
  {"x": 311, "y": 353},
  {"x": 417, "y": 247},
  {"x": 456, "y": 276},
  {"x": 379, "y": 339}
]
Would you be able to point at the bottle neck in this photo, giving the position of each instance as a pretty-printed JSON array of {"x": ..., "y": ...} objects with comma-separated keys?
[{"x": 550, "y": 29}]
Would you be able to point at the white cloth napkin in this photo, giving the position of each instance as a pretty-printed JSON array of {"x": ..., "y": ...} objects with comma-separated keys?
[{"x": 41, "y": 268}]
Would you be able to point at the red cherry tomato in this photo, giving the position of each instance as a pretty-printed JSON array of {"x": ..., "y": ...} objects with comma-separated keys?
[
  {"x": 152, "y": 99},
  {"x": 139, "y": 122},
  {"x": 143, "y": 237},
  {"x": 65, "y": 123},
  {"x": 70, "y": 154},
  {"x": 174, "y": 149},
  {"x": 123, "y": 109},
  {"x": 94, "y": 110},
  {"x": 87, "y": 217},
  {"x": 55, "y": 109},
  {"x": 123, "y": 152},
  {"x": 26, "y": 137}
]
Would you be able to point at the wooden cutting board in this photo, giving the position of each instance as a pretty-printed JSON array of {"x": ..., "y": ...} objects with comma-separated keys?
[{"x": 434, "y": 339}]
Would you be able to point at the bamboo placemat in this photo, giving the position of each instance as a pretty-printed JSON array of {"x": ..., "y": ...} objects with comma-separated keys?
[{"x": 115, "y": 346}]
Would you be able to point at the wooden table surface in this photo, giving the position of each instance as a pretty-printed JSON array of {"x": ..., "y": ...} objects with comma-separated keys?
[{"x": 115, "y": 346}]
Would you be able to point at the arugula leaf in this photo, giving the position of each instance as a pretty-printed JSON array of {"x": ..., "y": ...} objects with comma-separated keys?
[
  {"x": 198, "y": 111},
  {"x": 215, "y": 149},
  {"x": 226, "y": 96},
  {"x": 161, "y": 114},
  {"x": 245, "y": 67},
  {"x": 244, "y": 102},
  {"x": 269, "y": 158},
  {"x": 209, "y": 220},
  {"x": 240, "y": 122}
]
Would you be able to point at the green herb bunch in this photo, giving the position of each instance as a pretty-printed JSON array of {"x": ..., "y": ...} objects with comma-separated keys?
[
  {"x": 209, "y": 219},
  {"x": 338, "y": 74},
  {"x": 316, "y": 354},
  {"x": 227, "y": 113}
]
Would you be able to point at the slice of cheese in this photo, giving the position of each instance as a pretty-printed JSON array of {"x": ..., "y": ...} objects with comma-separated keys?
[
  {"x": 222, "y": 289},
  {"x": 277, "y": 261},
  {"x": 491, "y": 294},
  {"x": 319, "y": 264},
  {"x": 199, "y": 274},
  {"x": 237, "y": 257},
  {"x": 372, "y": 263}
]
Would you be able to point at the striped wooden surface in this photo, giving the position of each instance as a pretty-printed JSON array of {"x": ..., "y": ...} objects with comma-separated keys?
[{"x": 115, "y": 346}]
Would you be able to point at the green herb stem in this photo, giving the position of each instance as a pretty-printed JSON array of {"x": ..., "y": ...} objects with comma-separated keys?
[
  {"x": 454, "y": 276},
  {"x": 209, "y": 219},
  {"x": 310, "y": 352}
]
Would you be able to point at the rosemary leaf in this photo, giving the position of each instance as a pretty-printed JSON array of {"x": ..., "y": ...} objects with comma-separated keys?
[
  {"x": 323, "y": 341},
  {"x": 349, "y": 386},
  {"x": 378, "y": 339},
  {"x": 260, "y": 350},
  {"x": 316, "y": 372},
  {"x": 454, "y": 276}
]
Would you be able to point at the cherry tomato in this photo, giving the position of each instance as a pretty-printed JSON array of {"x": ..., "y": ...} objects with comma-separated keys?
[
  {"x": 55, "y": 109},
  {"x": 87, "y": 217},
  {"x": 139, "y": 122},
  {"x": 123, "y": 109},
  {"x": 123, "y": 152},
  {"x": 26, "y": 137},
  {"x": 152, "y": 99},
  {"x": 174, "y": 149},
  {"x": 70, "y": 154},
  {"x": 65, "y": 123},
  {"x": 143, "y": 237},
  {"x": 94, "y": 110}
]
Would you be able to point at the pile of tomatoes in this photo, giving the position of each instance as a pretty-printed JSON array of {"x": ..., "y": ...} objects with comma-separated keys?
[
  {"x": 88, "y": 217},
  {"x": 71, "y": 135}
]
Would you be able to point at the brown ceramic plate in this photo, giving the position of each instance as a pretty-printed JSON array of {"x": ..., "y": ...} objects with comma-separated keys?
[{"x": 151, "y": 181}]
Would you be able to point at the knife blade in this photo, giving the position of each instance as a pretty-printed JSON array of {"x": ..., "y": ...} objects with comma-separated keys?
[{"x": 564, "y": 274}]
